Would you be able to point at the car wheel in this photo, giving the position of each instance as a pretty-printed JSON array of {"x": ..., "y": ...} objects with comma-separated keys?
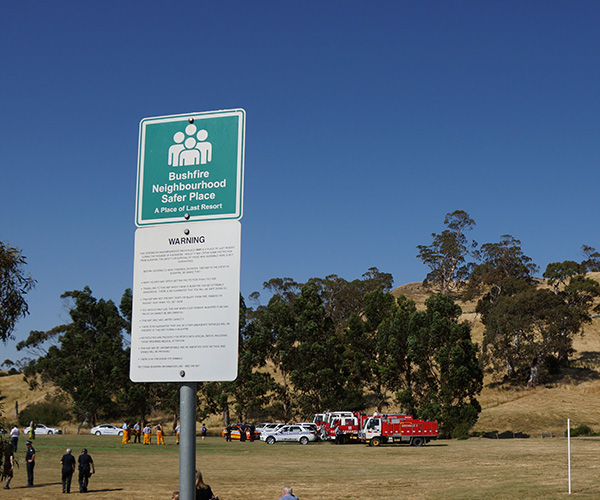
[
  {"x": 50, "y": 432},
  {"x": 120, "y": 433},
  {"x": 303, "y": 440},
  {"x": 98, "y": 433},
  {"x": 270, "y": 440},
  {"x": 375, "y": 441}
]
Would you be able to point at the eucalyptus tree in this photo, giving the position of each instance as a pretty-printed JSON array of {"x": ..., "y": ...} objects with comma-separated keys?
[
  {"x": 445, "y": 376},
  {"x": 592, "y": 258},
  {"x": 578, "y": 294},
  {"x": 15, "y": 283},
  {"x": 273, "y": 324},
  {"x": 342, "y": 298},
  {"x": 88, "y": 361},
  {"x": 498, "y": 266},
  {"x": 316, "y": 359},
  {"x": 529, "y": 330},
  {"x": 447, "y": 255},
  {"x": 367, "y": 347}
]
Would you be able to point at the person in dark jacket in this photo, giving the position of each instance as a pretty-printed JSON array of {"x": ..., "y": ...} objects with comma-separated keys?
[
  {"x": 30, "y": 461},
  {"x": 86, "y": 469},
  {"x": 68, "y": 468},
  {"x": 8, "y": 466}
]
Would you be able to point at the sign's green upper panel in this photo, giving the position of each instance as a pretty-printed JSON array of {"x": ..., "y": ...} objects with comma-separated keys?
[{"x": 191, "y": 167}]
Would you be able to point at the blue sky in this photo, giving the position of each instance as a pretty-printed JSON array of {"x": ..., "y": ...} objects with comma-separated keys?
[{"x": 366, "y": 123}]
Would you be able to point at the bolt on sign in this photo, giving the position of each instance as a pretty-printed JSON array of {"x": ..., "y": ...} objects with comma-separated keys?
[{"x": 191, "y": 167}]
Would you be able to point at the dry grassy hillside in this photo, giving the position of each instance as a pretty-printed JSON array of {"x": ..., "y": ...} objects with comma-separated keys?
[
  {"x": 15, "y": 390},
  {"x": 546, "y": 408}
]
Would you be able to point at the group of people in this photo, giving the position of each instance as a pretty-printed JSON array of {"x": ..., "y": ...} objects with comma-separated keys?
[
  {"x": 247, "y": 431},
  {"x": 9, "y": 457},
  {"x": 86, "y": 469},
  {"x": 136, "y": 430},
  {"x": 68, "y": 462}
]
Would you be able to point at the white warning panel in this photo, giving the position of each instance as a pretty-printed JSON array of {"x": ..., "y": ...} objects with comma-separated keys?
[{"x": 186, "y": 299}]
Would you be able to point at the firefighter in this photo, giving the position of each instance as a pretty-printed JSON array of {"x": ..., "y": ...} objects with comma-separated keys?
[
  {"x": 147, "y": 430},
  {"x": 137, "y": 434},
  {"x": 159, "y": 434},
  {"x": 125, "y": 428}
]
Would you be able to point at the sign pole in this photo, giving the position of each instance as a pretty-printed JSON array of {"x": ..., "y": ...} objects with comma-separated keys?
[{"x": 187, "y": 446}]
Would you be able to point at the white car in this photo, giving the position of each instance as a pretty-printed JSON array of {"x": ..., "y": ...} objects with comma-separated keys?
[
  {"x": 289, "y": 434},
  {"x": 42, "y": 429},
  {"x": 269, "y": 427},
  {"x": 106, "y": 430}
]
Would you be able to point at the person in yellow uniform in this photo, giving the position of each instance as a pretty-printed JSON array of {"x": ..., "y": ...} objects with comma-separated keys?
[
  {"x": 125, "y": 428},
  {"x": 147, "y": 430},
  {"x": 159, "y": 434}
]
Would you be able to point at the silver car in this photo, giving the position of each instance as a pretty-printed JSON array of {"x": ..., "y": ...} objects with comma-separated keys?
[{"x": 289, "y": 434}]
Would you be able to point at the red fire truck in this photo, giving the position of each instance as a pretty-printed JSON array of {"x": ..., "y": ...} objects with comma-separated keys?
[
  {"x": 340, "y": 426},
  {"x": 397, "y": 428}
]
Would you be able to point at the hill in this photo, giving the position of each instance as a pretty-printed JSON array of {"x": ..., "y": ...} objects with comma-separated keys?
[{"x": 546, "y": 408}]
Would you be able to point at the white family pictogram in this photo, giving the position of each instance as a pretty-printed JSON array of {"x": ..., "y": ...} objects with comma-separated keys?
[{"x": 190, "y": 148}]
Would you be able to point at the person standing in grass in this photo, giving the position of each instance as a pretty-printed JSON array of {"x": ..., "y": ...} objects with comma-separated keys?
[
  {"x": 86, "y": 469},
  {"x": 159, "y": 434},
  {"x": 125, "y": 428},
  {"x": 68, "y": 468},
  {"x": 137, "y": 433},
  {"x": 8, "y": 465},
  {"x": 147, "y": 434},
  {"x": 30, "y": 461},
  {"x": 14, "y": 437}
]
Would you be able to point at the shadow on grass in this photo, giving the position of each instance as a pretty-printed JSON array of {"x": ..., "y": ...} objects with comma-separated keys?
[
  {"x": 40, "y": 485},
  {"x": 104, "y": 490},
  {"x": 59, "y": 483}
]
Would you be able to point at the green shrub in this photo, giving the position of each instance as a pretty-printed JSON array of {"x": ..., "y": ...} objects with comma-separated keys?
[
  {"x": 582, "y": 430},
  {"x": 46, "y": 412}
]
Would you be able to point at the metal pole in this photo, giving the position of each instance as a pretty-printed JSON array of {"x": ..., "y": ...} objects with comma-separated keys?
[
  {"x": 569, "y": 450},
  {"x": 187, "y": 442}
]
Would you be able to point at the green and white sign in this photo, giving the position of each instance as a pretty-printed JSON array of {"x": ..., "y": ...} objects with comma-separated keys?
[{"x": 191, "y": 167}]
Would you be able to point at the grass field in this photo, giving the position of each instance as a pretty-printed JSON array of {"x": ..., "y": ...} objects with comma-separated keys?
[{"x": 512, "y": 469}]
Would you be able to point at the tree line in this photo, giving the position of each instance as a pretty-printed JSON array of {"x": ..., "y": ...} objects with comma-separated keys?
[{"x": 330, "y": 343}]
